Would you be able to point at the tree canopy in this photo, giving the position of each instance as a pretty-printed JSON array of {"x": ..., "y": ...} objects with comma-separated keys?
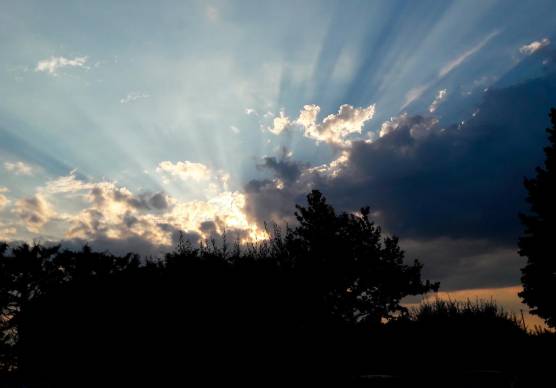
[
  {"x": 65, "y": 312},
  {"x": 359, "y": 273},
  {"x": 538, "y": 240}
]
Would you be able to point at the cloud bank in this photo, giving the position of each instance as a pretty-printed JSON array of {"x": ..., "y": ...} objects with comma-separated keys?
[{"x": 443, "y": 186}]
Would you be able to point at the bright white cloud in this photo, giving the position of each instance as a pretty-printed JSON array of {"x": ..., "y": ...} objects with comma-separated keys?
[
  {"x": 185, "y": 170},
  {"x": 439, "y": 99},
  {"x": 332, "y": 130},
  {"x": 195, "y": 178},
  {"x": 308, "y": 116},
  {"x": 226, "y": 210},
  {"x": 330, "y": 170},
  {"x": 18, "y": 168},
  {"x": 66, "y": 184},
  {"x": 534, "y": 46},
  {"x": 53, "y": 64},
  {"x": 112, "y": 211},
  {"x": 335, "y": 127},
  {"x": 279, "y": 124},
  {"x": 133, "y": 96}
]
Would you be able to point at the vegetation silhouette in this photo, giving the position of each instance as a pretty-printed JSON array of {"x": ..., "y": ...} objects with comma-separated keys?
[
  {"x": 537, "y": 242},
  {"x": 320, "y": 303}
]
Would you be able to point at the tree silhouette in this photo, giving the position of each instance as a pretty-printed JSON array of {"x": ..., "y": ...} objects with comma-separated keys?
[
  {"x": 359, "y": 275},
  {"x": 305, "y": 306},
  {"x": 537, "y": 242}
]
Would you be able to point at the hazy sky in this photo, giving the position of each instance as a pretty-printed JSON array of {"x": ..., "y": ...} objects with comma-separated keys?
[{"x": 124, "y": 122}]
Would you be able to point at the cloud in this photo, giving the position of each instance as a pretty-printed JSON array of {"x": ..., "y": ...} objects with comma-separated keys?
[
  {"x": 455, "y": 190},
  {"x": 186, "y": 170},
  {"x": 457, "y": 61},
  {"x": 133, "y": 96},
  {"x": 66, "y": 184},
  {"x": 3, "y": 200},
  {"x": 417, "y": 126},
  {"x": 34, "y": 212},
  {"x": 416, "y": 92},
  {"x": 18, "y": 168},
  {"x": 7, "y": 233},
  {"x": 332, "y": 169},
  {"x": 334, "y": 128},
  {"x": 213, "y": 14},
  {"x": 105, "y": 212},
  {"x": 105, "y": 192},
  {"x": 283, "y": 168},
  {"x": 194, "y": 178},
  {"x": 308, "y": 116},
  {"x": 440, "y": 97},
  {"x": 534, "y": 46},
  {"x": 53, "y": 64},
  {"x": 460, "y": 263},
  {"x": 109, "y": 210},
  {"x": 279, "y": 124}
]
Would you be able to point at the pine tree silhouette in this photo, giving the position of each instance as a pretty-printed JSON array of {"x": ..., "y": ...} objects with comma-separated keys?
[{"x": 538, "y": 240}]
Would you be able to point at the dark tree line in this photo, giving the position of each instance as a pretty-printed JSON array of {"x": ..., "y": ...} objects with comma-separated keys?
[
  {"x": 317, "y": 303},
  {"x": 274, "y": 308}
]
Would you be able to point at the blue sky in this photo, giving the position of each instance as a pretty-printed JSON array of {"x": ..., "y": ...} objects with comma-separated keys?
[{"x": 123, "y": 122}]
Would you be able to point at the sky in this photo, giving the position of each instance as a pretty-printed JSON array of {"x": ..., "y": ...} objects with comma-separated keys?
[{"x": 122, "y": 123}]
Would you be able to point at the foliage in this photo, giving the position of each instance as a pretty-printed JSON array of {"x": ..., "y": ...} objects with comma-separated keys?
[
  {"x": 442, "y": 311},
  {"x": 537, "y": 241},
  {"x": 329, "y": 273},
  {"x": 360, "y": 274}
]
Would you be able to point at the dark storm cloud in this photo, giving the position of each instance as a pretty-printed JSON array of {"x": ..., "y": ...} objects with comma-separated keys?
[
  {"x": 148, "y": 201},
  {"x": 463, "y": 181},
  {"x": 266, "y": 203},
  {"x": 453, "y": 191},
  {"x": 466, "y": 263},
  {"x": 144, "y": 201},
  {"x": 285, "y": 169}
]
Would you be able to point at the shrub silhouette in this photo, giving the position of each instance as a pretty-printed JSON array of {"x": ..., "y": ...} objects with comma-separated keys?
[{"x": 537, "y": 242}]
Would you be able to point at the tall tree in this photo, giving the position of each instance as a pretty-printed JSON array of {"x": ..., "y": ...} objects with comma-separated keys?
[
  {"x": 538, "y": 242},
  {"x": 358, "y": 274}
]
